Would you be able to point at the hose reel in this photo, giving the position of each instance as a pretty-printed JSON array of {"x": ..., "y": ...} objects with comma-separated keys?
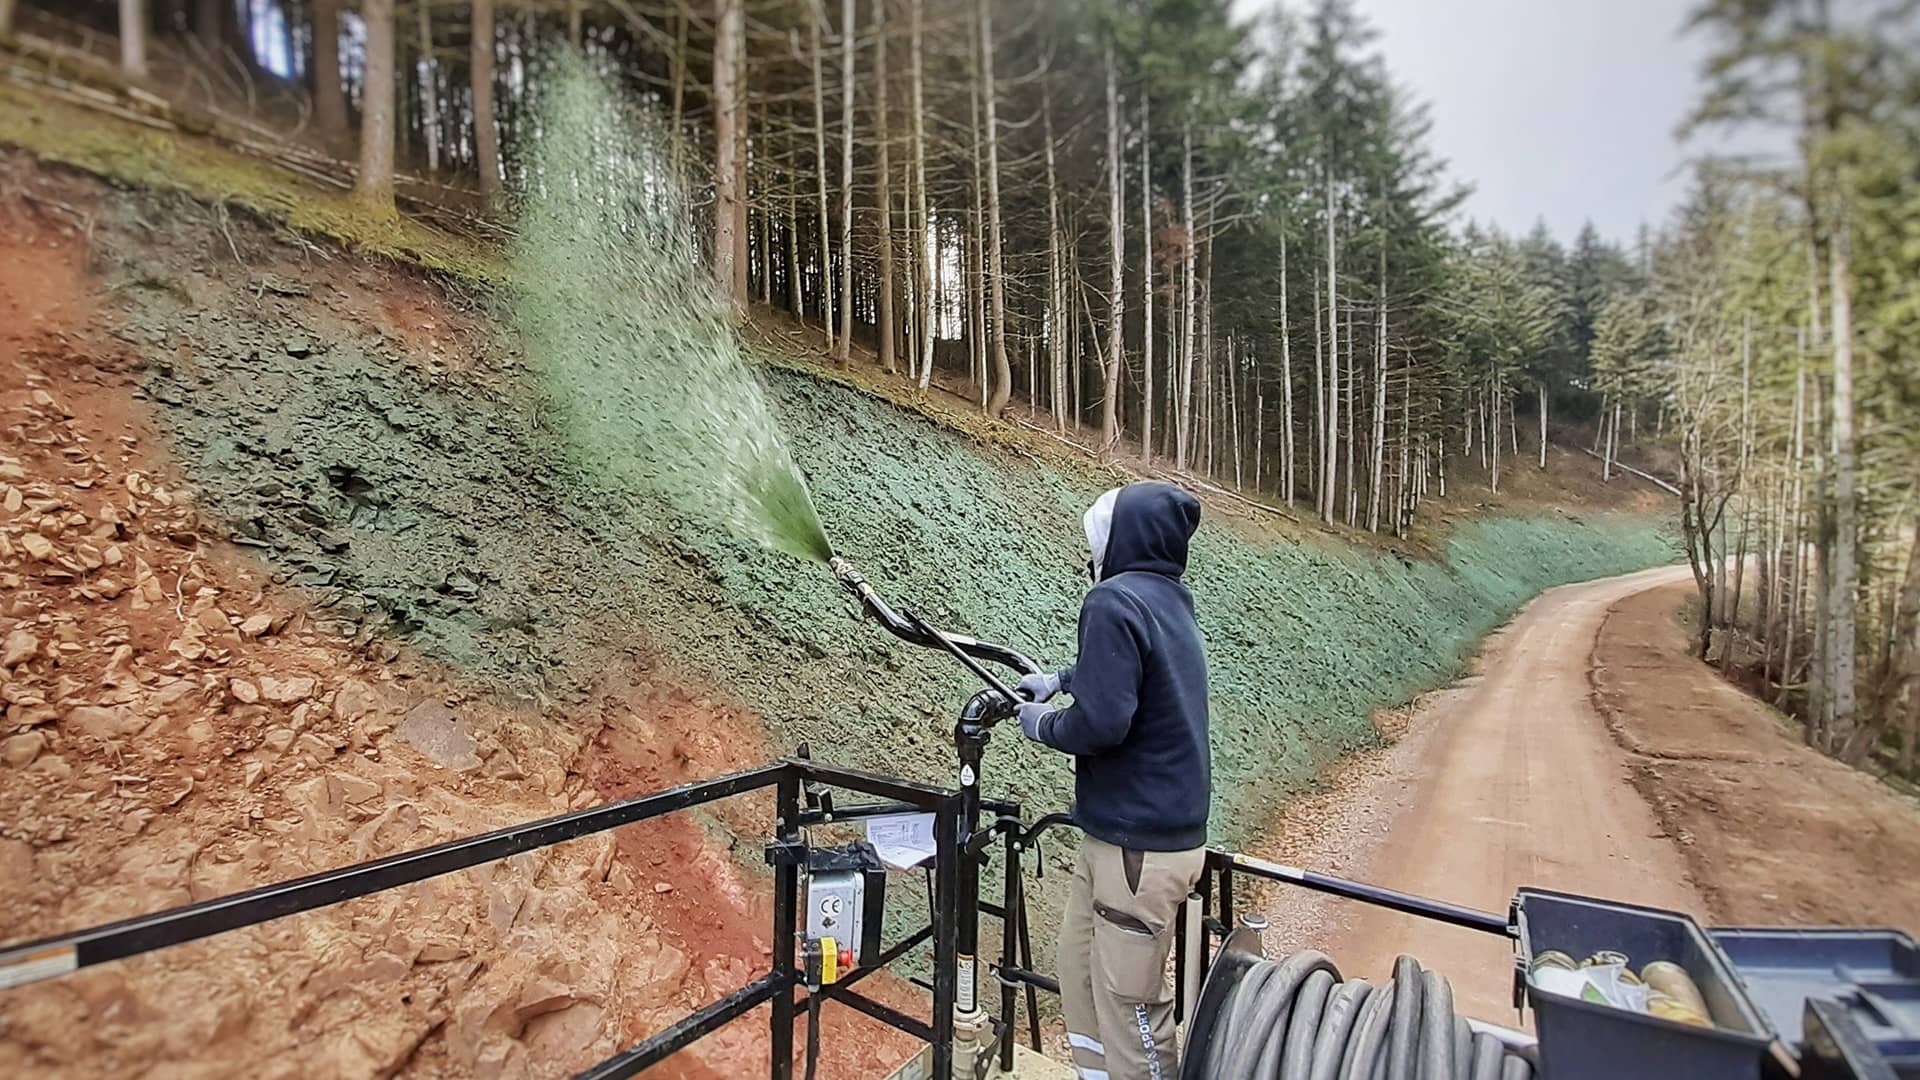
[{"x": 1298, "y": 1019}]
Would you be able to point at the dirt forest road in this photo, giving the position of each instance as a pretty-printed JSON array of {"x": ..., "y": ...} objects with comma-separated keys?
[
  {"x": 1507, "y": 778},
  {"x": 1591, "y": 752}
]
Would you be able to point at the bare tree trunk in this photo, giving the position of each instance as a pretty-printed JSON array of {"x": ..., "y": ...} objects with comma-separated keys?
[
  {"x": 922, "y": 255},
  {"x": 796, "y": 295},
  {"x": 429, "y": 86},
  {"x": 1170, "y": 425},
  {"x": 1408, "y": 494},
  {"x": 1083, "y": 310},
  {"x": 1902, "y": 681},
  {"x": 1259, "y": 427},
  {"x": 886, "y": 330},
  {"x": 374, "y": 182},
  {"x": 825, "y": 273},
  {"x": 1146, "y": 283},
  {"x": 1183, "y": 417},
  {"x": 1493, "y": 433},
  {"x": 1613, "y": 443},
  {"x": 1057, "y": 302},
  {"x": 1333, "y": 357},
  {"x": 848, "y": 42},
  {"x": 1820, "y": 591},
  {"x": 681, "y": 20},
  {"x": 1697, "y": 531},
  {"x": 975, "y": 291},
  {"x": 1352, "y": 380},
  {"x": 1317, "y": 446},
  {"x": 133, "y": 37},
  {"x": 1845, "y": 579},
  {"x": 742, "y": 190},
  {"x": 1002, "y": 371},
  {"x": 1200, "y": 447},
  {"x": 728, "y": 22},
  {"x": 1543, "y": 422},
  {"x": 329, "y": 101},
  {"x": 1233, "y": 405},
  {"x": 976, "y": 299},
  {"x": 1116, "y": 251},
  {"x": 486, "y": 141},
  {"x": 764, "y": 159},
  {"x": 1286, "y": 384},
  {"x": 1767, "y": 583},
  {"x": 1056, "y": 286},
  {"x": 575, "y": 27},
  {"x": 1739, "y": 584},
  {"x": 1379, "y": 406},
  {"x": 1033, "y": 377},
  {"x": 209, "y": 21},
  {"x": 1794, "y": 532},
  {"x": 1746, "y": 502}
]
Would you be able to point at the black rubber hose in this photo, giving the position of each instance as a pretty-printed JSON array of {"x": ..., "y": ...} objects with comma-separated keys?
[
  {"x": 1462, "y": 1047},
  {"x": 1405, "y": 1028},
  {"x": 1303, "y": 1027},
  {"x": 1260, "y": 1014},
  {"x": 1233, "y": 1030},
  {"x": 1488, "y": 1056},
  {"x": 1343, "y": 1011},
  {"x": 1365, "y": 1047},
  {"x": 1436, "y": 1027},
  {"x": 1296, "y": 1020}
]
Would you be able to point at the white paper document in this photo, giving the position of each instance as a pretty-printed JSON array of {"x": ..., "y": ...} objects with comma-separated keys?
[{"x": 903, "y": 841}]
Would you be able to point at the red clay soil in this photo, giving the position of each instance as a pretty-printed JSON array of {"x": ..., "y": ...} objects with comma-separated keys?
[
  {"x": 178, "y": 728},
  {"x": 1772, "y": 831}
]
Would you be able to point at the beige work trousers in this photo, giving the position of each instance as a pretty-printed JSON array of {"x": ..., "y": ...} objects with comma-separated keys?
[{"x": 1115, "y": 938}]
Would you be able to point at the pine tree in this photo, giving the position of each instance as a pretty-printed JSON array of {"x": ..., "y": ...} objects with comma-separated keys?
[{"x": 374, "y": 182}]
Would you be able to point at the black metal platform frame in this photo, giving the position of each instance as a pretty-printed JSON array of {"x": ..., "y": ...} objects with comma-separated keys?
[{"x": 962, "y": 846}]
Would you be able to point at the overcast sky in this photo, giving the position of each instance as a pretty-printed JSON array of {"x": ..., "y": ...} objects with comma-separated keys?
[{"x": 1556, "y": 109}]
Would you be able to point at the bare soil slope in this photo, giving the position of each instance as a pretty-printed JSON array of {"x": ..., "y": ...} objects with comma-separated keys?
[
  {"x": 182, "y": 723},
  {"x": 1772, "y": 831}
]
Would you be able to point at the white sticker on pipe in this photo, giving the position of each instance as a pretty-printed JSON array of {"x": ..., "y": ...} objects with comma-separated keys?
[
  {"x": 964, "y": 996},
  {"x": 33, "y": 967}
]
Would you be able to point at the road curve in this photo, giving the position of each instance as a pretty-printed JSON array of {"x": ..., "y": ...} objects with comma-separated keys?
[{"x": 1507, "y": 778}]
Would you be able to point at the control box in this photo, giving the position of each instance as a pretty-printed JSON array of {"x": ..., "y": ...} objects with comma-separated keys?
[{"x": 844, "y": 896}]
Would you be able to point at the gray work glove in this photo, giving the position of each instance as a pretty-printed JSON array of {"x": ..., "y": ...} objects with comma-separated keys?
[
  {"x": 1031, "y": 714},
  {"x": 1040, "y": 686}
]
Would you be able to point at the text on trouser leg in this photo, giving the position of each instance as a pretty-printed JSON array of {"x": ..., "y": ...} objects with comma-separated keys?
[{"x": 1146, "y": 1041}]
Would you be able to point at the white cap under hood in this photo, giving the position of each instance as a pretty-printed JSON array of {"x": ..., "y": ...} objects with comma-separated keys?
[{"x": 1098, "y": 522}]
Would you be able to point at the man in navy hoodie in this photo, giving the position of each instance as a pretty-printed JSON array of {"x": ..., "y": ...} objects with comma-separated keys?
[{"x": 1137, "y": 729}]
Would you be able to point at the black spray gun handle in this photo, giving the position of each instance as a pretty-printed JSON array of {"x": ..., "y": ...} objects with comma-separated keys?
[{"x": 911, "y": 628}]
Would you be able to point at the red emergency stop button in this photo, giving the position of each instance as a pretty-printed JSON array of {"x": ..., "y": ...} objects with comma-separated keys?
[{"x": 846, "y": 959}]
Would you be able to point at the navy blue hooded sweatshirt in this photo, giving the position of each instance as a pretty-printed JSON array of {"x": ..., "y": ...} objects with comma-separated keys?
[{"x": 1137, "y": 727}]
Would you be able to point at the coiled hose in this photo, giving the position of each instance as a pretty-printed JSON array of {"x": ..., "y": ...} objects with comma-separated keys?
[{"x": 1296, "y": 1019}]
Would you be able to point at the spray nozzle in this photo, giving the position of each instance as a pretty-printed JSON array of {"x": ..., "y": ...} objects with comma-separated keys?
[
  {"x": 863, "y": 595},
  {"x": 850, "y": 578}
]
